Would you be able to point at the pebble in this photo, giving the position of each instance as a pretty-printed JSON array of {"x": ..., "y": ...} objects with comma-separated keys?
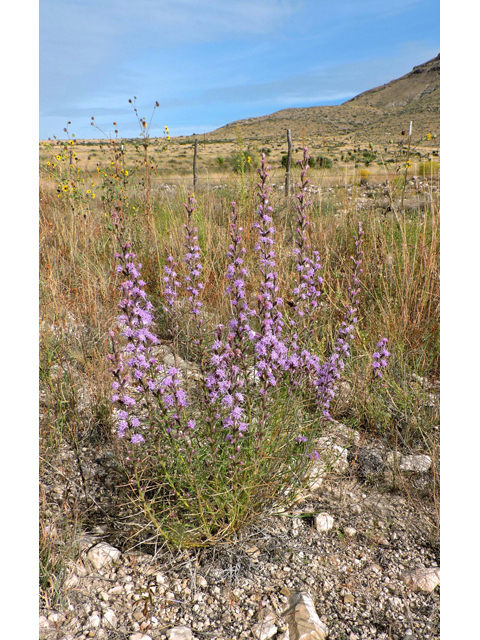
[
  {"x": 266, "y": 628},
  {"x": 110, "y": 617},
  {"x": 94, "y": 620},
  {"x": 323, "y": 522},
  {"x": 423, "y": 579},
  {"x": 102, "y": 554},
  {"x": 179, "y": 633}
]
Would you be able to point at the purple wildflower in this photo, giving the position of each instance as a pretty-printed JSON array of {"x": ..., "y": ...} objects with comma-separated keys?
[{"x": 379, "y": 358}]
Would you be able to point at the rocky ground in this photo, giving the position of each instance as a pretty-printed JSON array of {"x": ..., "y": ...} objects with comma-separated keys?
[{"x": 361, "y": 542}]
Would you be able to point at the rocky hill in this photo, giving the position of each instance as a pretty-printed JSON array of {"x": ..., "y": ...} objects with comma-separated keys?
[{"x": 373, "y": 116}]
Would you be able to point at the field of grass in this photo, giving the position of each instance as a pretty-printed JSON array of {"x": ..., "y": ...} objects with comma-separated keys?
[{"x": 82, "y": 183}]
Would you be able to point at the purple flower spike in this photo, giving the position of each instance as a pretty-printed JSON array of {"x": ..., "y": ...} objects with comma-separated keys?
[{"x": 379, "y": 358}]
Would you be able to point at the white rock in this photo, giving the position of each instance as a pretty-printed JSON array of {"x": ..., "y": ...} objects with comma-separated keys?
[
  {"x": 179, "y": 633},
  {"x": 139, "y": 636},
  {"x": 116, "y": 591},
  {"x": 315, "y": 479},
  {"x": 264, "y": 630},
  {"x": 103, "y": 554},
  {"x": 110, "y": 617},
  {"x": 201, "y": 582},
  {"x": 54, "y": 617},
  {"x": 423, "y": 579},
  {"x": 419, "y": 463},
  {"x": 349, "y": 531},
  {"x": 334, "y": 456},
  {"x": 71, "y": 581},
  {"x": 303, "y": 621},
  {"x": 94, "y": 620},
  {"x": 43, "y": 627},
  {"x": 323, "y": 522}
]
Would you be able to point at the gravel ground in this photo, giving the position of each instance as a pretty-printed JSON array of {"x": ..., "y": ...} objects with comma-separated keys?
[{"x": 353, "y": 572}]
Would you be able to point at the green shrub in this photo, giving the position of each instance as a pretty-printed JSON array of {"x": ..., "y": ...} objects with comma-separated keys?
[
  {"x": 429, "y": 168},
  {"x": 324, "y": 162},
  {"x": 244, "y": 161}
]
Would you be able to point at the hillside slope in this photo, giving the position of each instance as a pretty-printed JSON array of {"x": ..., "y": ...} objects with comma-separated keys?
[{"x": 374, "y": 115}]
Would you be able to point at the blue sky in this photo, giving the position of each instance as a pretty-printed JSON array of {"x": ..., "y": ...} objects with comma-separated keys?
[{"x": 209, "y": 63}]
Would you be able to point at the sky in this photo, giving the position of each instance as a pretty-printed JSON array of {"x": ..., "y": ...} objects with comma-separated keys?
[{"x": 209, "y": 63}]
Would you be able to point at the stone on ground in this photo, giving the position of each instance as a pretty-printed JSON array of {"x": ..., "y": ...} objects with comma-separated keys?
[{"x": 303, "y": 621}]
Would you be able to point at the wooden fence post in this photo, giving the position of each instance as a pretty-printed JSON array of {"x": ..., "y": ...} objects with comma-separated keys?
[
  {"x": 195, "y": 166},
  {"x": 289, "y": 164},
  {"x": 406, "y": 166}
]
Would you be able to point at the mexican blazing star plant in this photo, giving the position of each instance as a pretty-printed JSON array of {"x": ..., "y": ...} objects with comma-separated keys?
[{"x": 206, "y": 459}]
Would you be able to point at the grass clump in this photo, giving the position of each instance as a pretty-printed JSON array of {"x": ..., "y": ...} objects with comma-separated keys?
[{"x": 429, "y": 168}]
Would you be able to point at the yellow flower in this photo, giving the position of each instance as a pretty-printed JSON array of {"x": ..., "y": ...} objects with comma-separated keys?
[
  {"x": 429, "y": 136},
  {"x": 134, "y": 208},
  {"x": 93, "y": 184},
  {"x": 65, "y": 187},
  {"x": 93, "y": 195},
  {"x": 249, "y": 159},
  {"x": 48, "y": 163},
  {"x": 144, "y": 124},
  {"x": 88, "y": 191},
  {"x": 98, "y": 169},
  {"x": 58, "y": 158},
  {"x": 70, "y": 142}
]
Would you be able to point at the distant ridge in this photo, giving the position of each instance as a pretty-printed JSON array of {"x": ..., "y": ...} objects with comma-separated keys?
[
  {"x": 374, "y": 115},
  {"x": 420, "y": 84}
]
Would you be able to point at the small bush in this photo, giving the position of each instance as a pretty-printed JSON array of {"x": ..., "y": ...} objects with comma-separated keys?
[
  {"x": 324, "y": 162},
  {"x": 364, "y": 176},
  {"x": 429, "y": 168},
  {"x": 244, "y": 161}
]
